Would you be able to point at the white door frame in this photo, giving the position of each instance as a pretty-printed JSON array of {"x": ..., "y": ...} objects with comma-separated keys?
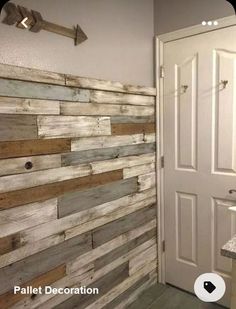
[{"x": 159, "y": 51}]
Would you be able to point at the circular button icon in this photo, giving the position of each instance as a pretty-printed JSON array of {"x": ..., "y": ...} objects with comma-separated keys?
[{"x": 209, "y": 287}]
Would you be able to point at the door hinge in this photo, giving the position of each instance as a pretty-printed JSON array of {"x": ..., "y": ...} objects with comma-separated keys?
[
  {"x": 162, "y": 72},
  {"x": 162, "y": 162},
  {"x": 163, "y": 246}
]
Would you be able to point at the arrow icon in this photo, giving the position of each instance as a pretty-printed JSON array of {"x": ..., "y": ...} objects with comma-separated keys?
[{"x": 23, "y": 22}]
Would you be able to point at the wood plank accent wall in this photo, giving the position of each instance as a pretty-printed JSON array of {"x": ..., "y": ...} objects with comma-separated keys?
[{"x": 77, "y": 189}]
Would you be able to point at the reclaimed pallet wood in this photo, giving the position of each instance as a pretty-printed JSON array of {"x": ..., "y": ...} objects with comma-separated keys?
[
  {"x": 93, "y": 109},
  {"x": 138, "y": 170},
  {"x": 36, "y": 265},
  {"x": 23, "y": 217},
  {"x": 9, "y": 243},
  {"x": 79, "y": 157},
  {"x": 28, "y": 74},
  {"x": 132, "y": 128},
  {"x": 132, "y": 119},
  {"x": 82, "y": 200},
  {"x": 99, "y": 84},
  {"x": 31, "y": 90},
  {"x": 19, "y": 165},
  {"x": 34, "y": 147},
  {"x": 28, "y": 106},
  {"x": 146, "y": 181},
  {"x": 38, "y": 178},
  {"x": 44, "y": 192},
  {"x": 107, "y": 97},
  {"x": 8, "y": 299},
  {"x": 17, "y": 127},
  {"x": 72, "y": 126},
  {"x": 111, "y": 141},
  {"x": 86, "y": 220}
]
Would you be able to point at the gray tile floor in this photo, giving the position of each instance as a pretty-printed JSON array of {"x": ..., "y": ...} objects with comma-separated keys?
[{"x": 166, "y": 297}]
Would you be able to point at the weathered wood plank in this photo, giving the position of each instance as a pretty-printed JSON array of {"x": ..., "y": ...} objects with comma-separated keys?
[
  {"x": 28, "y": 106},
  {"x": 146, "y": 181},
  {"x": 18, "y": 165},
  {"x": 99, "y": 84},
  {"x": 111, "y": 141},
  {"x": 41, "y": 193},
  {"x": 34, "y": 147},
  {"x": 17, "y": 127},
  {"x": 139, "y": 170},
  {"x": 107, "y": 97},
  {"x": 34, "y": 179},
  {"x": 38, "y": 264},
  {"x": 132, "y": 119},
  {"x": 93, "y": 109},
  {"x": 132, "y": 128},
  {"x": 9, "y": 243},
  {"x": 7, "y": 300},
  {"x": 120, "y": 226},
  {"x": 23, "y": 217},
  {"x": 79, "y": 157},
  {"x": 22, "y": 89},
  {"x": 28, "y": 74},
  {"x": 78, "y": 201},
  {"x": 87, "y": 220},
  {"x": 72, "y": 126}
]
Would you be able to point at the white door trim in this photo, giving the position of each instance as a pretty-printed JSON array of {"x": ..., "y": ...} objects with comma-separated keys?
[{"x": 159, "y": 51}]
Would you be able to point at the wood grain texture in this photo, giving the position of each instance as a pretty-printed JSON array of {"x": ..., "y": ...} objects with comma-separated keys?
[
  {"x": 72, "y": 126},
  {"x": 132, "y": 119},
  {"x": 28, "y": 106},
  {"x": 132, "y": 128},
  {"x": 94, "y": 109},
  {"x": 99, "y": 84},
  {"x": 139, "y": 170},
  {"x": 146, "y": 181},
  {"x": 107, "y": 97},
  {"x": 34, "y": 147},
  {"x": 22, "y": 89},
  {"x": 7, "y": 300},
  {"x": 78, "y": 201},
  {"x": 41, "y": 193},
  {"x": 17, "y": 127},
  {"x": 86, "y": 156},
  {"x": 9, "y": 243},
  {"x": 111, "y": 141},
  {"x": 18, "y": 165},
  {"x": 23, "y": 217},
  {"x": 29, "y": 74}
]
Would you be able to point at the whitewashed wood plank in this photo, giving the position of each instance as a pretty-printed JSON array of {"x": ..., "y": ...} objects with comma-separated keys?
[
  {"x": 107, "y": 97},
  {"x": 92, "y": 109},
  {"x": 23, "y": 217},
  {"x": 111, "y": 141},
  {"x": 72, "y": 126},
  {"x": 29, "y": 74},
  {"x": 93, "y": 217},
  {"x": 99, "y": 84},
  {"x": 138, "y": 170},
  {"x": 22, "y": 89},
  {"x": 115, "y": 164},
  {"x": 28, "y": 106},
  {"x": 34, "y": 179},
  {"x": 146, "y": 181},
  {"x": 17, "y": 166}
]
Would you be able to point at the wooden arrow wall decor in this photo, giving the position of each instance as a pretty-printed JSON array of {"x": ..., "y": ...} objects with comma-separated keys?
[{"x": 23, "y": 18}]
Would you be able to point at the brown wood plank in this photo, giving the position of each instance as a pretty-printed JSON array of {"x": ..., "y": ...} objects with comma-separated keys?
[
  {"x": 132, "y": 128},
  {"x": 41, "y": 193},
  {"x": 9, "y": 243},
  {"x": 18, "y": 127},
  {"x": 33, "y": 148},
  {"x": 8, "y": 299}
]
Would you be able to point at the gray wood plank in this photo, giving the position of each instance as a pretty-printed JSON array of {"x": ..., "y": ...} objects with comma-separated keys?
[
  {"x": 131, "y": 119},
  {"x": 22, "y": 89},
  {"x": 123, "y": 225},
  {"x": 17, "y": 127},
  {"x": 35, "y": 265},
  {"x": 86, "y": 156},
  {"x": 78, "y": 201}
]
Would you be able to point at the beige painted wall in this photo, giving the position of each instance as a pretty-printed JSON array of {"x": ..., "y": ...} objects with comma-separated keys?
[
  {"x": 171, "y": 15},
  {"x": 120, "y": 45}
]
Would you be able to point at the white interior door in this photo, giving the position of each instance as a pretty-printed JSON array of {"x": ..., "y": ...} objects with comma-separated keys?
[{"x": 200, "y": 155}]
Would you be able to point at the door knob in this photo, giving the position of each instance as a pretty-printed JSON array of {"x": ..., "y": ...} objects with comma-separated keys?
[{"x": 231, "y": 191}]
